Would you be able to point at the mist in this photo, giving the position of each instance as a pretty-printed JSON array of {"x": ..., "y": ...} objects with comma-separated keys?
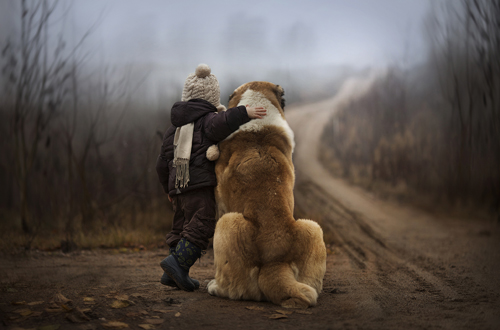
[{"x": 163, "y": 41}]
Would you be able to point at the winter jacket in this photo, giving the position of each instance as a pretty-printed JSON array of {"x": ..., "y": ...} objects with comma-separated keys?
[{"x": 210, "y": 127}]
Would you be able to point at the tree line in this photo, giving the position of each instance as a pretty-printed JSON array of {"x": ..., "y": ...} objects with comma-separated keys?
[
  {"x": 74, "y": 154},
  {"x": 433, "y": 129}
]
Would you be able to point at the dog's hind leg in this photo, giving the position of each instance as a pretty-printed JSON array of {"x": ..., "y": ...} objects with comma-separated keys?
[
  {"x": 236, "y": 270},
  {"x": 277, "y": 282},
  {"x": 311, "y": 254}
]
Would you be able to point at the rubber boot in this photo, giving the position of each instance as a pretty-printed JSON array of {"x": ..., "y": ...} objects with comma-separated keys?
[
  {"x": 166, "y": 280},
  {"x": 177, "y": 265}
]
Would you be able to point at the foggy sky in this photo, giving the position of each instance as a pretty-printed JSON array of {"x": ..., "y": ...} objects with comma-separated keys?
[
  {"x": 355, "y": 32},
  {"x": 166, "y": 39}
]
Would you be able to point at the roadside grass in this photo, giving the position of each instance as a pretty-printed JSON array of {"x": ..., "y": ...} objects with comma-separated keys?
[
  {"x": 143, "y": 229},
  {"x": 400, "y": 191}
]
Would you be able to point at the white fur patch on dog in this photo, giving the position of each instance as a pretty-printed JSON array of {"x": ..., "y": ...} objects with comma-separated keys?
[{"x": 273, "y": 117}]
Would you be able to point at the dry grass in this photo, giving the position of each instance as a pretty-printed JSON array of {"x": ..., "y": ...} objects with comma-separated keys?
[{"x": 142, "y": 229}]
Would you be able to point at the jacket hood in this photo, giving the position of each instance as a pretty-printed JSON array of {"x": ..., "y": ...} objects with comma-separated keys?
[{"x": 187, "y": 112}]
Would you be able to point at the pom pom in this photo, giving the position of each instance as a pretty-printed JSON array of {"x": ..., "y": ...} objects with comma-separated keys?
[
  {"x": 213, "y": 152},
  {"x": 221, "y": 108},
  {"x": 202, "y": 71}
]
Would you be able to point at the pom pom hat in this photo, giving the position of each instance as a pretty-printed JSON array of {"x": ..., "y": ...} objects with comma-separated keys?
[{"x": 202, "y": 84}]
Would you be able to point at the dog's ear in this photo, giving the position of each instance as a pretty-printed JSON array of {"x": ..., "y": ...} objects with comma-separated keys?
[
  {"x": 230, "y": 97},
  {"x": 280, "y": 94}
]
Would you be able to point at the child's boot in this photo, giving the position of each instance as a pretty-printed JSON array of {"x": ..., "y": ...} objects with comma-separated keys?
[
  {"x": 177, "y": 265},
  {"x": 166, "y": 280}
]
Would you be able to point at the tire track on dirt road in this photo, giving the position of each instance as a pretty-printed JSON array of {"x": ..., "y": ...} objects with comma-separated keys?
[{"x": 398, "y": 260}]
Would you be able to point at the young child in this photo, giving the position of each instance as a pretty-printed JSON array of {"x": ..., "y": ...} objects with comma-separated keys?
[{"x": 188, "y": 176}]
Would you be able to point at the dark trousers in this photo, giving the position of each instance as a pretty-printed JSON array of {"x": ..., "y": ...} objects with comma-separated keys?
[{"x": 194, "y": 217}]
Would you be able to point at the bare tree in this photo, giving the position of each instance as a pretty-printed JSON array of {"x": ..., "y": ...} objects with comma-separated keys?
[{"x": 36, "y": 74}]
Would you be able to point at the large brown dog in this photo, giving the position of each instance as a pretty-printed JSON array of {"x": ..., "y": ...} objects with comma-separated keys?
[{"x": 261, "y": 251}]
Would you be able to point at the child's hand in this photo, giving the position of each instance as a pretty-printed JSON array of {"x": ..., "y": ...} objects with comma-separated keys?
[{"x": 255, "y": 113}]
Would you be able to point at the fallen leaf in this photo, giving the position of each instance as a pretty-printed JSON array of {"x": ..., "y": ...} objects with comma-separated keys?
[
  {"x": 144, "y": 312},
  {"x": 34, "y": 303},
  {"x": 284, "y": 312},
  {"x": 66, "y": 308},
  {"x": 115, "y": 325},
  {"x": 75, "y": 319},
  {"x": 137, "y": 295},
  {"x": 120, "y": 304},
  {"x": 163, "y": 311},
  {"x": 121, "y": 297},
  {"x": 18, "y": 303},
  {"x": 154, "y": 317},
  {"x": 61, "y": 299},
  {"x": 300, "y": 311},
  {"x": 50, "y": 327},
  {"x": 255, "y": 308},
  {"x": 26, "y": 313},
  {"x": 21, "y": 311},
  {"x": 278, "y": 316},
  {"x": 53, "y": 305},
  {"x": 132, "y": 314},
  {"x": 36, "y": 314},
  {"x": 54, "y": 310},
  {"x": 146, "y": 326},
  {"x": 84, "y": 310},
  {"x": 154, "y": 321},
  {"x": 88, "y": 301},
  {"x": 77, "y": 316},
  {"x": 177, "y": 314}
]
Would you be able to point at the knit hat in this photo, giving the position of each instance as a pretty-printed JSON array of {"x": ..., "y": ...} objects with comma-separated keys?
[{"x": 202, "y": 85}]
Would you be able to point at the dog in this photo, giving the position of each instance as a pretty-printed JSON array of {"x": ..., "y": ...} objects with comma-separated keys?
[{"x": 261, "y": 252}]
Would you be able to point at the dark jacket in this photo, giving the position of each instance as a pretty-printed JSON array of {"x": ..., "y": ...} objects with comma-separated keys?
[{"x": 210, "y": 127}]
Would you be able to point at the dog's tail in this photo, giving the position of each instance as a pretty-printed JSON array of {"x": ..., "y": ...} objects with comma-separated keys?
[{"x": 278, "y": 283}]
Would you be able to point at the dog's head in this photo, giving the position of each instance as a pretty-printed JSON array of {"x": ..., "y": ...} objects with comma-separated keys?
[{"x": 273, "y": 93}]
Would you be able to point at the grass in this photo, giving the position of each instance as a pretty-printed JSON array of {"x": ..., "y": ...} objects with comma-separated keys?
[{"x": 126, "y": 228}]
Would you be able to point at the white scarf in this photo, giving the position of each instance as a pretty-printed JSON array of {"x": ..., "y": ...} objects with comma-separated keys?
[{"x": 183, "y": 141}]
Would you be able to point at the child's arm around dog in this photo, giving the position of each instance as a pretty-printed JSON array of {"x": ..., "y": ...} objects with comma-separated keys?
[{"x": 220, "y": 125}]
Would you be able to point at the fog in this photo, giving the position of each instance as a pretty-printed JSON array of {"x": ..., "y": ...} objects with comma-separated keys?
[{"x": 163, "y": 41}]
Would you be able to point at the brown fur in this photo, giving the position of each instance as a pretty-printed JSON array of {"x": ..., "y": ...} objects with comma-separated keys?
[{"x": 261, "y": 251}]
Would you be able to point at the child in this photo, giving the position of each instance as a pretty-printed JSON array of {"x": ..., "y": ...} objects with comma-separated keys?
[{"x": 186, "y": 174}]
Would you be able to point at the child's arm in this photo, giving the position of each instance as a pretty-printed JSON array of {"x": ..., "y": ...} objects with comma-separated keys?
[{"x": 219, "y": 126}]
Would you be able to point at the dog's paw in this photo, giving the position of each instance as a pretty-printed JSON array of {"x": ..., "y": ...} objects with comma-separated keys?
[
  {"x": 212, "y": 287},
  {"x": 295, "y": 303}
]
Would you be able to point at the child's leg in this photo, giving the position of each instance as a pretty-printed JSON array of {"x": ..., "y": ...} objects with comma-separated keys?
[
  {"x": 174, "y": 236},
  {"x": 199, "y": 212},
  {"x": 198, "y": 207}
]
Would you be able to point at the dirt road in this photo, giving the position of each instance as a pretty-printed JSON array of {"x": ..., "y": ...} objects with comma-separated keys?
[
  {"x": 401, "y": 267},
  {"x": 391, "y": 267}
]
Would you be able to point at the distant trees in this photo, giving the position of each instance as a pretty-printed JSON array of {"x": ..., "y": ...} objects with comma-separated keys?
[
  {"x": 73, "y": 151},
  {"x": 37, "y": 75},
  {"x": 466, "y": 56},
  {"x": 434, "y": 128}
]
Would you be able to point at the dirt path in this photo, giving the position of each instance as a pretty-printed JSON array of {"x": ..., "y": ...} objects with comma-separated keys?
[
  {"x": 403, "y": 267},
  {"x": 391, "y": 267}
]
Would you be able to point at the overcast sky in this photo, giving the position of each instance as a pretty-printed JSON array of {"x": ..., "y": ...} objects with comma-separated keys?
[
  {"x": 354, "y": 32},
  {"x": 175, "y": 35}
]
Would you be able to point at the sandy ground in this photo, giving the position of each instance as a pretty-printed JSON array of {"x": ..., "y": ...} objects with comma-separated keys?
[{"x": 391, "y": 267}]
